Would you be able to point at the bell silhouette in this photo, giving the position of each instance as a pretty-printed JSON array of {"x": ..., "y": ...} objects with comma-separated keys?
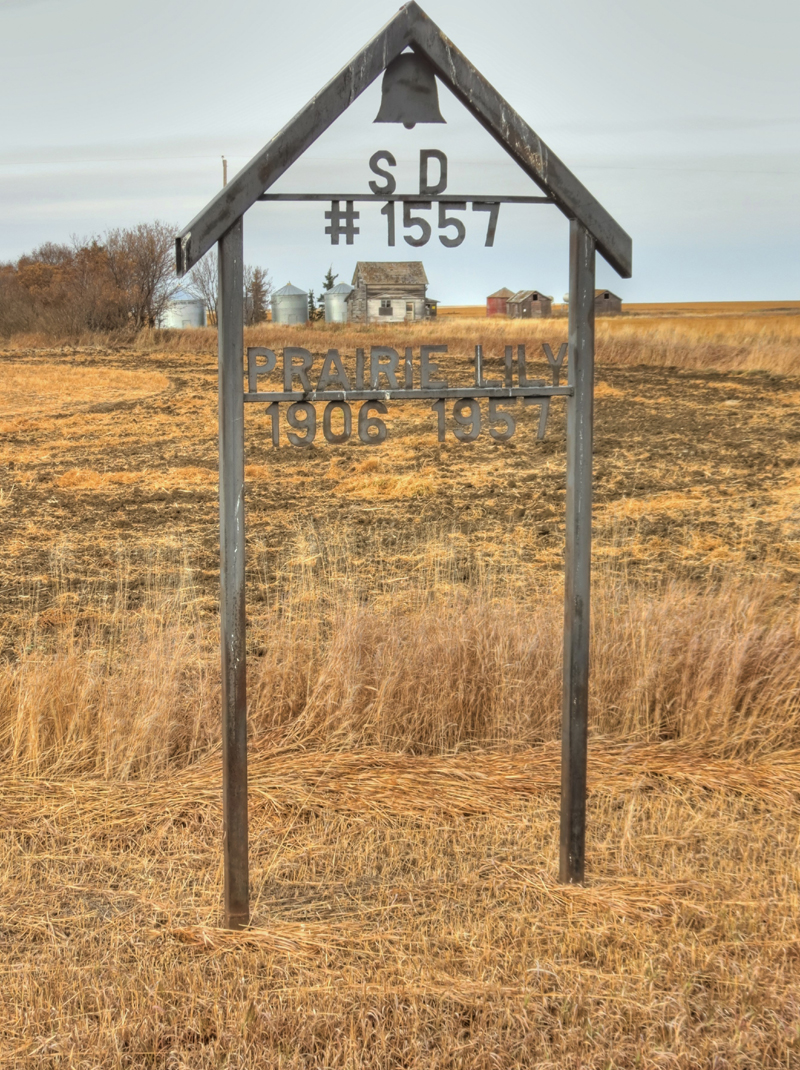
[{"x": 409, "y": 93}]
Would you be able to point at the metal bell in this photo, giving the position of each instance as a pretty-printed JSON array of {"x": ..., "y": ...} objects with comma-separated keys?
[{"x": 409, "y": 93}]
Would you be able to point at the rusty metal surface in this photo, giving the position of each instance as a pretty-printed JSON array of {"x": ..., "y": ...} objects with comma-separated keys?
[
  {"x": 418, "y": 394},
  {"x": 390, "y": 376},
  {"x": 410, "y": 26},
  {"x": 382, "y": 198},
  {"x": 232, "y": 580},
  {"x": 577, "y": 579}
]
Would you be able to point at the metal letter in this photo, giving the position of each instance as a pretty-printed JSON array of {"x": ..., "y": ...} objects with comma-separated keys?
[
  {"x": 391, "y": 181},
  {"x": 544, "y": 410},
  {"x": 577, "y": 578},
  {"x": 473, "y": 420},
  {"x": 425, "y": 155},
  {"x": 438, "y": 408},
  {"x": 290, "y": 369},
  {"x": 388, "y": 211},
  {"x": 479, "y": 379},
  {"x": 496, "y": 415},
  {"x": 408, "y": 371},
  {"x": 309, "y": 425},
  {"x": 366, "y": 423},
  {"x": 522, "y": 371},
  {"x": 347, "y": 417},
  {"x": 333, "y": 360},
  {"x": 274, "y": 414},
  {"x": 389, "y": 369},
  {"x": 427, "y": 368},
  {"x": 410, "y": 220},
  {"x": 451, "y": 221},
  {"x": 254, "y": 369},
  {"x": 342, "y": 222},
  {"x": 555, "y": 362},
  {"x": 493, "y": 208},
  {"x": 232, "y": 590}
]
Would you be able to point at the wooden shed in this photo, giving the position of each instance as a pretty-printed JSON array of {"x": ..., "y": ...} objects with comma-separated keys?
[
  {"x": 497, "y": 303},
  {"x": 389, "y": 292},
  {"x": 606, "y": 303},
  {"x": 529, "y": 303}
]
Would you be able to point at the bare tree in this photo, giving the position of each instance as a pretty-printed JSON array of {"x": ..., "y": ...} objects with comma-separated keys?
[
  {"x": 62, "y": 289},
  {"x": 204, "y": 283},
  {"x": 141, "y": 260}
]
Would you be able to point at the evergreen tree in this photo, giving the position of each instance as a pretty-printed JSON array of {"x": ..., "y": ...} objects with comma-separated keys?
[
  {"x": 260, "y": 287},
  {"x": 330, "y": 278},
  {"x": 257, "y": 290}
]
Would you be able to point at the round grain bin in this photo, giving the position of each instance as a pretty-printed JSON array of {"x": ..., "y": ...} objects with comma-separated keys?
[
  {"x": 289, "y": 305},
  {"x": 336, "y": 303},
  {"x": 184, "y": 311}
]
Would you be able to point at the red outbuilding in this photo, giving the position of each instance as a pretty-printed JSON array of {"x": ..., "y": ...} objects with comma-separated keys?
[{"x": 497, "y": 303}]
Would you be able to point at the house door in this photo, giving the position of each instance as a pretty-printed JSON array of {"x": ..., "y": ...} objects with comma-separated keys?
[{"x": 409, "y": 311}]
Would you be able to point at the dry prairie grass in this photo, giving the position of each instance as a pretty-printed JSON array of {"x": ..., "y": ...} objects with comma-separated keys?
[
  {"x": 403, "y": 779},
  {"x": 723, "y": 336},
  {"x": 430, "y": 666},
  {"x": 404, "y": 652},
  {"x": 708, "y": 342}
]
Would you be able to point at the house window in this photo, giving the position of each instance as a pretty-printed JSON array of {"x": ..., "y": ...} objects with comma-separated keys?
[
  {"x": 386, "y": 306},
  {"x": 535, "y": 297},
  {"x": 606, "y": 296}
]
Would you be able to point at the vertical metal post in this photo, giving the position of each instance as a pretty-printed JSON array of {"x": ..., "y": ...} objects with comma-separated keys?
[
  {"x": 232, "y": 589},
  {"x": 578, "y": 554}
]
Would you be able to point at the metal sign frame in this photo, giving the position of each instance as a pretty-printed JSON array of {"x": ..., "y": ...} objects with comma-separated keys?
[{"x": 591, "y": 229}]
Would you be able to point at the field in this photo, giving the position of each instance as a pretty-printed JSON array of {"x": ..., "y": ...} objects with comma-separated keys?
[{"x": 404, "y": 631}]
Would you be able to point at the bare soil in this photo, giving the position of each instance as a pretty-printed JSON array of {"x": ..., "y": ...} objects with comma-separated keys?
[{"x": 695, "y": 473}]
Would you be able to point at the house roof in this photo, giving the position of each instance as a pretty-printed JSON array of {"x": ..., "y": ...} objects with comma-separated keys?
[
  {"x": 410, "y": 26},
  {"x": 523, "y": 295},
  {"x": 599, "y": 293},
  {"x": 391, "y": 273},
  {"x": 505, "y": 292}
]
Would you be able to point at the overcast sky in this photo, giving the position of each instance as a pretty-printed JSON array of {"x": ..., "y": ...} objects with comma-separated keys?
[{"x": 682, "y": 118}]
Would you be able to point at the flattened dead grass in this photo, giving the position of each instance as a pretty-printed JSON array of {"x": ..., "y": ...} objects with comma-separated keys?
[
  {"x": 47, "y": 388},
  {"x": 391, "y": 930}
]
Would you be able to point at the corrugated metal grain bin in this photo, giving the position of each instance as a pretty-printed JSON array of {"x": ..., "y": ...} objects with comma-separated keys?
[
  {"x": 336, "y": 303},
  {"x": 289, "y": 305},
  {"x": 183, "y": 311}
]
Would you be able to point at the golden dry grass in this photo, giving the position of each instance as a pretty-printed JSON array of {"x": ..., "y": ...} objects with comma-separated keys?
[{"x": 404, "y": 608}]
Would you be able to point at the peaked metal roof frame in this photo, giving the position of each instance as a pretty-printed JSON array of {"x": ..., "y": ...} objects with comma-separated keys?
[{"x": 409, "y": 27}]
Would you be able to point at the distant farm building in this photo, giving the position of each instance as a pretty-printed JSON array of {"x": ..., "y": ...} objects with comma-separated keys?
[
  {"x": 289, "y": 305},
  {"x": 529, "y": 303},
  {"x": 184, "y": 311},
  {"x": 386, "y": 292},
  {"x": 335, "y": 303},
  {"x": 606, "y": 303},
  {"x": 497, "y": 303}
]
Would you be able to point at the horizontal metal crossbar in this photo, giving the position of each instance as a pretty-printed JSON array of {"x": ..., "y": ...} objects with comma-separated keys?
[
  {"x": 417, "y": 395},
  {"x": 382, "y": 198}
]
